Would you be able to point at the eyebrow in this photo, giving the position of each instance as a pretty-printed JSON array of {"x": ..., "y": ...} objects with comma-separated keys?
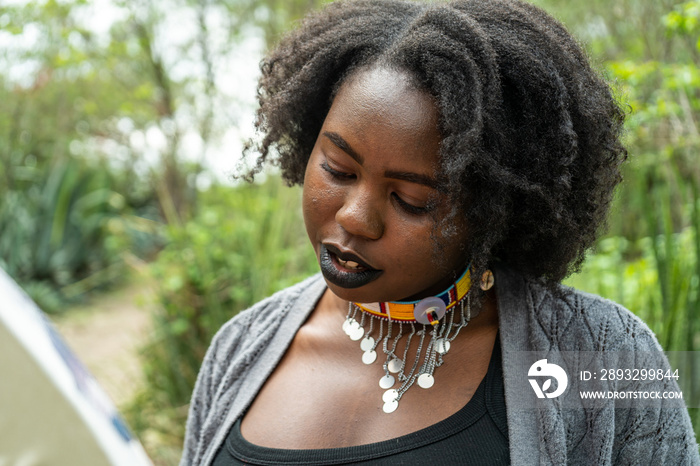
[
  {"x": 342, "y": 144},
  {"x": 413, "y": 178},
  {"x": 338, "y": 140}
]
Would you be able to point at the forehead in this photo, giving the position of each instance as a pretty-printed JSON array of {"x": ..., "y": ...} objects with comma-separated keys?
[{"x": 382, "y": 110}]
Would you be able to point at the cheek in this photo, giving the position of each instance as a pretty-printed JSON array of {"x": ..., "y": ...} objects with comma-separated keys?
[
  {"x": 310, "y": 200},
  {"x": 414, "y": 250},
  {"x": 452, "y": 250},
  {"x": 426, "y": 251},
  {"x": 320, "y": 201}
]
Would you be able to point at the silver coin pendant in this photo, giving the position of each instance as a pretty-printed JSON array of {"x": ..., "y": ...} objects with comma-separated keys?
[
  {"x": 390, "y": 395},
  {"x": 387, "y": 381},
  {"x": 367, "y": 343},
  {"x": 368, "y": 357},
  {"x": 442, "y": 346},
  {"x": 356, "y": 332},
  {"x": 394, "y": 365},
  {"x": 390, "y": 407},
  {"x": 425, "y": 381}
]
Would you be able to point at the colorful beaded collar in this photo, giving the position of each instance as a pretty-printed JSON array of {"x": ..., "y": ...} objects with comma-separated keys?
[{"x": 424, "y": 311}]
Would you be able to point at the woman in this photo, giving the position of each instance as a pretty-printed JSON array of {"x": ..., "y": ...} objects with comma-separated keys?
[{"x": 457, "y": 161}]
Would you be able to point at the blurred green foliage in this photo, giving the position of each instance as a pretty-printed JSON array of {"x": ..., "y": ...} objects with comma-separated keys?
[
  {"x": 82, "y": 186},
  {"x": 97, "y": 105},
  {"x": 650, "y": 259},
  {"x": 71, "y": 200},
  {"x": 57, "y": 230},
  {"x": 657, "y": 213}
]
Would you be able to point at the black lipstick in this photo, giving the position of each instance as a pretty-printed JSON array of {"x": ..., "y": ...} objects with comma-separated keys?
[{"x": 351, "y": 279}]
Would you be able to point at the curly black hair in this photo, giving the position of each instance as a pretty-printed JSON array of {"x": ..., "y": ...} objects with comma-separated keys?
[{"x": 531, "y": 149}]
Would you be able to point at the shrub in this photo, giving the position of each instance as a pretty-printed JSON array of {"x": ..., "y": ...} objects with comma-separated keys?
[{"x": 54, "y": 232}]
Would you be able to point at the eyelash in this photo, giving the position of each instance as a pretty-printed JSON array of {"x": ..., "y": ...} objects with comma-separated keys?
[
  {"x": 335, "y": 173},
  {"x": 408, "y": 208}
]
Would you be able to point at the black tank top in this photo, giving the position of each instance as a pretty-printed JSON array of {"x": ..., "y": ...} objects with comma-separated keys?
[{"x": 477, "y": 434}]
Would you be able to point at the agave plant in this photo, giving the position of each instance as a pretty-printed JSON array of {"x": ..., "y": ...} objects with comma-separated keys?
[{"x": 54, "y": 230}]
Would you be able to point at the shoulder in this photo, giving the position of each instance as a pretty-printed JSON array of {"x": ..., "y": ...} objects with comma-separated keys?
[
  {"x": 236, "y": 352},
  {"x": 573, "y": 316},
  {"x": 254, "y": 326},
  {"x": 556, "y": 318},
  {"x": 566, "y": 319}
]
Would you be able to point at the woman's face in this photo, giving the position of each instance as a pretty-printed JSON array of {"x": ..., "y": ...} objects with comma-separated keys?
[{"x": 367, "y": 192}]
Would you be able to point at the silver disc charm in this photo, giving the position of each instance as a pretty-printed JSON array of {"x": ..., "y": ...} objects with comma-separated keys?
[
  {"x": 387, "y": 381},
  {"x": 350, "y": 325},
  {"x": 346, "y": 325},
  {"x": 367, "y": 344},
  {"x": 356, "y": 332},
  {"x": 442, "y": 346},
  {"x": 394, "y": 365},
  {"x": 425, "y": 381},
  {"x": 390, "y": 407},
  {"x": 390, "y": 395},
  {"x": 368, "y": 357}
]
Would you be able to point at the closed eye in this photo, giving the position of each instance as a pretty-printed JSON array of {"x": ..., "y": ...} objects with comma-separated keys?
[
  {"x": 403, "y": 205},
  {"x": 335, "y": 173},
  {"x": 410, "y": 208}
]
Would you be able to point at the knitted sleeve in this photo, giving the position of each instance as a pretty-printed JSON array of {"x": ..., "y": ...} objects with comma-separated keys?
[
  {"x": 661, "y": 434},
  {"x": 232, "y": 353},
  {"x": 204, "y": 394},
  {"x": 569, "y": 320}
]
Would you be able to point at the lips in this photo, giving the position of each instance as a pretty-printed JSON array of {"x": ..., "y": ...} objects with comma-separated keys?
[{"x": 345, "y": 269}]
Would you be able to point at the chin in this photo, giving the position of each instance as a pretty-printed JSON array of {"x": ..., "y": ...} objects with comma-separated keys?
[
  {"x": 361, "y": 295},
  {"x": 347, "y": 294},
  {"x": 354, "y": 295}
]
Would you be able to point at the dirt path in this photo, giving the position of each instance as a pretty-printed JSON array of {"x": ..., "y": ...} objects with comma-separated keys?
[{"x": 107, "y": 333}]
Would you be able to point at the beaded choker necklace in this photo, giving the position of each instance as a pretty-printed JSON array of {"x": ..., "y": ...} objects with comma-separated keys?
[{"x": 436, "y": 315}]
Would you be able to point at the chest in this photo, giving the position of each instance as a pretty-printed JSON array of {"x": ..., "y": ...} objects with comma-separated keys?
[{"x": 322, "y": 395}]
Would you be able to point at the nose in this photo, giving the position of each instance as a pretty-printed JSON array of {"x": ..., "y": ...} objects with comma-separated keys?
[{"x": 360, "y": 214}]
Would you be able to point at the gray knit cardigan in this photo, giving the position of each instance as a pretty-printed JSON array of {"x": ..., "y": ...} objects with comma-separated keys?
[{"x": 531, "y": 318}]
